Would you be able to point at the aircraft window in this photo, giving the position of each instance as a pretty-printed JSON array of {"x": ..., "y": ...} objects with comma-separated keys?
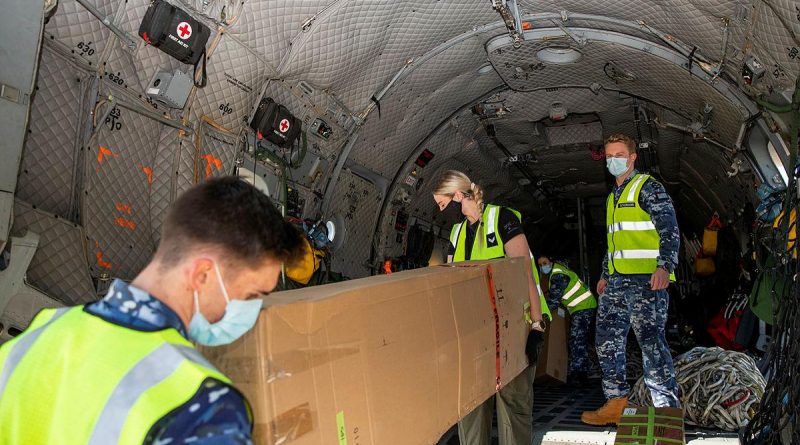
[{"x": 12, "y": 331}]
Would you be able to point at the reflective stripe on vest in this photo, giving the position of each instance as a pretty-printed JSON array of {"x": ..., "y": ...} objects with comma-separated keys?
[
  {"x": 121, "y": 381},
  {"x": 150, "y": 371},
  {"x": 19, "y": 348},
  {"x": 577, "y": 296},
  {"x": 633, "y": 254},
  {"x": 456, "y": 230},
  {"x": 579, "y": 299},
  {"x": 631, "y": 225},
  {"x": 633, "y": 241},
  {"x": 481, "y": 249}
]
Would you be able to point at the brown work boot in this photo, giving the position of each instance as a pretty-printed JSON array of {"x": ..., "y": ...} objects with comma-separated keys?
[{"x": 610, "y": 413}]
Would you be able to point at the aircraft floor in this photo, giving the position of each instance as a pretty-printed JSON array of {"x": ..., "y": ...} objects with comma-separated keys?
[{"x": 557, "y": 419}]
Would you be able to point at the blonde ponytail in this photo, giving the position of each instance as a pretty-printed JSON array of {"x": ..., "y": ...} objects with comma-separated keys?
[
  {"x": 453, "y": 181},
  {"x": 477, "y": 194}
]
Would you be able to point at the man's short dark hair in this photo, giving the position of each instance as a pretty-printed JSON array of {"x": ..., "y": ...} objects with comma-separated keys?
[
  {"x": 230, "y": 215},
  {"x": 629, "y": 142}
]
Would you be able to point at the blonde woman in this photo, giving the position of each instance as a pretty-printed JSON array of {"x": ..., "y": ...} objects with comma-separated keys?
[{"x": 487, "y": 232}]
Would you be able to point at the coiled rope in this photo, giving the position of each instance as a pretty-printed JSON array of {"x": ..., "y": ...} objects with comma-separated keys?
[{"x": 719, "y": 389}]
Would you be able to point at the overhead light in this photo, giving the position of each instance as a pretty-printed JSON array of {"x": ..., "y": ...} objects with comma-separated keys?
[
  {"x": 486, "y": 69},
  {"x": 558, "y": 55}
]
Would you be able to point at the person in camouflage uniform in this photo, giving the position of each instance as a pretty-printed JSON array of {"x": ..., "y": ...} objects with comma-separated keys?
[
  {"x": 565, "y": 288},
  {"x": 127, "y": 360},
  {"x": 643, "y": 239}
]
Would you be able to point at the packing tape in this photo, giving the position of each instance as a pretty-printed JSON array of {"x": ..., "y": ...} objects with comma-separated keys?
[{"x": 290, "y": 425}]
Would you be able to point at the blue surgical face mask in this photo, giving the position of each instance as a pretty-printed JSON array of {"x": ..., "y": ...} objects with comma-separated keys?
[
  {"x": 547, "y": 268},
  {"x": 617, "y": 166},
  {"x": 240, "y": 316}
]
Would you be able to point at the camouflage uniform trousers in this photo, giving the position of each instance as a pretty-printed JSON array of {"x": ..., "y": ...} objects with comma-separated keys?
[
  {"x": 629, "y": 302},
  {"x": 579, "y": 329}
]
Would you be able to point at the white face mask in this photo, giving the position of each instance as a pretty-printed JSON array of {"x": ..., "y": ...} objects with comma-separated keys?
[
  {"x": 240, "y": 316},
  {"x": 617, "y": 166}
]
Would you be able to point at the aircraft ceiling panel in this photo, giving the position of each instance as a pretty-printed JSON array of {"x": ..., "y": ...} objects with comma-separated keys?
[
  {"x": 420, "y": 103},
  {"x": 186, "y": 165},
  {"x": 772, "y": 44},
  {"x": 535, "y": 105},
  {"x": 236, "y": 75},
  {"x": 222, "y": 12},
  {"x": 695, "y": 21},
  {"x": 50, "y": 157},
  {"x": 358, "y": 201},
  {"x": 655, "y": 79},
  {"x": 60, "y": 265},
  {"x": 358, "y": 46},
  {"x": 167, "y": 178},
  {"x": 344, "y": 41},
  {"x": 269, "y": 26},
  {"x": 216, "y": 150},
  {"x": 79, "y": 31},
  {"x": 118, "y": 179}
]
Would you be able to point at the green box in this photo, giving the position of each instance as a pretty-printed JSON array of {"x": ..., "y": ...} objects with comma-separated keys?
[{"x": 650, "y": 426}]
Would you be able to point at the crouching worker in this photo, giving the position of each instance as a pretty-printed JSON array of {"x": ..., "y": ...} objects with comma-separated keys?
[
  {"x": 567, "y": 289},
  {"x": 122, "y": 370},
  {"x": 488, "y": 232}
]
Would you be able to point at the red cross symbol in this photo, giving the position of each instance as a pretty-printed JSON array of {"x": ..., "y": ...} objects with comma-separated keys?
[
  {"x": 284, "y": 126},
  {"x": 184, "y": 30}
]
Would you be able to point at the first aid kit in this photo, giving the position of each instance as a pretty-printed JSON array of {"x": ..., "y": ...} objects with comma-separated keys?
[
  {"x": 175, "y": 32},
  {"x": 273, "y": 122}
]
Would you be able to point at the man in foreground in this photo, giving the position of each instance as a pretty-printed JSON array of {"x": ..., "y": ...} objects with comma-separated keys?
[{"x": 123, "y": 370}]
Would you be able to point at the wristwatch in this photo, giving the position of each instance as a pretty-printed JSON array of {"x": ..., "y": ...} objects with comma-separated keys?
[{"x": 539, "y": 325}]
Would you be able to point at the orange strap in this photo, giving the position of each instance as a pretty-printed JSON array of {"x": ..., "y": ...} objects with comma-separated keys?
[{"x": 493, "y": 300}]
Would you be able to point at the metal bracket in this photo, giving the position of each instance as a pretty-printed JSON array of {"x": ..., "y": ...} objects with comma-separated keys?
[
  {"x": 108, "y": 21},
  {"x": 12, "y": 279},
  {"x": 13, "y": 94},
  {"x": 509, "y": 11}
]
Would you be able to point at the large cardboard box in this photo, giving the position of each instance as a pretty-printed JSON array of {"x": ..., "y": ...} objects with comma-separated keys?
[
  {"x": 554, "y": 356},
  {"x": 391, "y": 359},
  {"x": 650, "y": 426}
]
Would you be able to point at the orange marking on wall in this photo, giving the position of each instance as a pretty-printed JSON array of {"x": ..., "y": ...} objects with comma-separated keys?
[
  {"x": 149, "y": 172},
  {"x": 211, "y": 160},
  {"x": 124, "y": 208},
  {"x": 99, "y": 256},
  {"x": 103, "y": 152},
  {"x": 125, "y": 223}
]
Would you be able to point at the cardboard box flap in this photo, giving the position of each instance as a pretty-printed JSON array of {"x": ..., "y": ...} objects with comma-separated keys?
[{"x": 307, "y": 310}]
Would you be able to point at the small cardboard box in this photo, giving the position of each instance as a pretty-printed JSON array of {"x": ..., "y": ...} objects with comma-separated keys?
[
  {"x": 553, "y": 357},
  {"x": 386, "y": 360},
  {"x": 650, "y": 426}
]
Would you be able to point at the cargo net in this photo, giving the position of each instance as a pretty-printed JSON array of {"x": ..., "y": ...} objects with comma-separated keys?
[
  {"x": 718, "y": 388},
  {"x": 776, "y": 422}
]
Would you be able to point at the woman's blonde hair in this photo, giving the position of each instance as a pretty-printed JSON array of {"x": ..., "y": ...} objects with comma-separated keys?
[{"x": 453, "y": 181}]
